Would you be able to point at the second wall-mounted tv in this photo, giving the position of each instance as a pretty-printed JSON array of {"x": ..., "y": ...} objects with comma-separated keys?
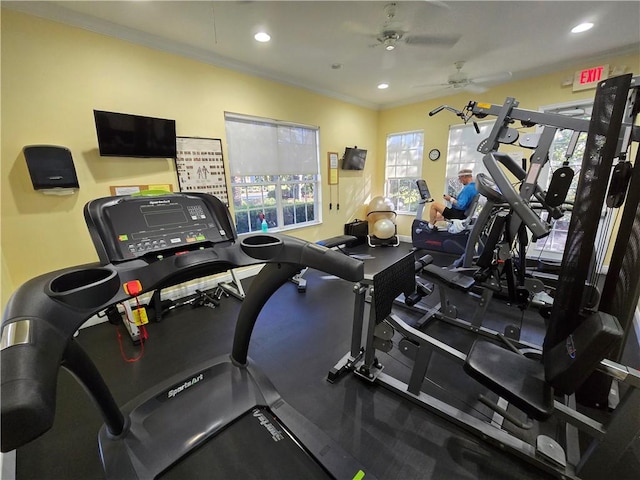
[
  {"x": 126, "y": 135},
  {"x": 354, "y": 158}
]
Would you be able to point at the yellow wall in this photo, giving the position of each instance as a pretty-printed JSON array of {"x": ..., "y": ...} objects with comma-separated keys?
[
  {"x": 531, "y": 94},
  {"x": 53, "y": 76}
]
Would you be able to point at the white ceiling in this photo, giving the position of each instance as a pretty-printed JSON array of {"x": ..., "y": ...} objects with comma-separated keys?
[{"x": 526, "y": 38}]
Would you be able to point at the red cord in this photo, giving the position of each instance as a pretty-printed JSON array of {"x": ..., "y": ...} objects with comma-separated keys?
[
  {"x": 124, "y": 355},
  {"x": 143, "y": 336}
]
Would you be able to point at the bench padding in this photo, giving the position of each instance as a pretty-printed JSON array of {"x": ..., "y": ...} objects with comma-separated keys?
[{"x": 518, "y": 379}]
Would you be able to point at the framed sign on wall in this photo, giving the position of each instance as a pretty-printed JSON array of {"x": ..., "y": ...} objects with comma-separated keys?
[{"x": 200, "y": 166}]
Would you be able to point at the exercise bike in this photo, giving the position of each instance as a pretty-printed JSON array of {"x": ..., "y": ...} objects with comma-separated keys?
[{"x": 442, "y": 240}]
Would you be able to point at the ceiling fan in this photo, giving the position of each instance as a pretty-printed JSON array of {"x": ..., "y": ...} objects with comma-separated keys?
[
  {"x": 390, "y": 39},
  {"x": 393, "y": 33},
  {"x": 461, "y": 81}
]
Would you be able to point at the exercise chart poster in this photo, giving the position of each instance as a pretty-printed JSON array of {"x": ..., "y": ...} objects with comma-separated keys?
[{"x": 200, "y": 166}]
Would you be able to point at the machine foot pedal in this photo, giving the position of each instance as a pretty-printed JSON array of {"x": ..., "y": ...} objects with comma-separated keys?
[{"x": 551, "y": 450}]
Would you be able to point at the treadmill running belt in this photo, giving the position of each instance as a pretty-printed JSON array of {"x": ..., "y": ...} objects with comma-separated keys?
[{"x": 256, "y": 446}]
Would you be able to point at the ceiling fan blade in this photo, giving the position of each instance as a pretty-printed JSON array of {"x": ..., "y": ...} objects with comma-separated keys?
[
  {"x": 438, "y": 3},
  {"x": 435, "y": 40},
  {"x": 431, "y": 85},
  {"x": 494, "y": 77},
  {"x": 475, "y": 88},
  {"x": 356, "y": 27}
]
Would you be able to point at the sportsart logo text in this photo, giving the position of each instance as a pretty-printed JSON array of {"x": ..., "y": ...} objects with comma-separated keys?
[{"x": 189, "y": 383}]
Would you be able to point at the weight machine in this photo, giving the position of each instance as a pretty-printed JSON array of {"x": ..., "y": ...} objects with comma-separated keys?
[
  {"x": 538, "y": 392},
  {"x": 499, "y": 229}
]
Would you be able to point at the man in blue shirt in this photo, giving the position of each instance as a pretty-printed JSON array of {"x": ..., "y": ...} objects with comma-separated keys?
[{"x": 459, "y": 204}]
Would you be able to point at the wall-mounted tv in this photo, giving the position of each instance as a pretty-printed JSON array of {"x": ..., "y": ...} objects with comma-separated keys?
[
  {"x": 125, "y": 135},
  {"x": 354, "y": 158}
]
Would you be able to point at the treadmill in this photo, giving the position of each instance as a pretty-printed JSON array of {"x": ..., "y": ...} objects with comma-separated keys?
[{"x": 222, "y": 418}]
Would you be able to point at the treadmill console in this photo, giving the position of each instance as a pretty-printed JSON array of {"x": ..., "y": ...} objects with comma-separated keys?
[{"x": 125, "y": 228}]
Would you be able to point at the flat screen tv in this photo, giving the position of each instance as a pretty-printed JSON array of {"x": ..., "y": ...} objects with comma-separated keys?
[
  {"x": 125, "y": 135},
  {"x": 354, "y": 158}
]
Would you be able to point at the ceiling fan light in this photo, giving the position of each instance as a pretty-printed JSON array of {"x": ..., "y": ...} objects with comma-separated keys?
[
  {"x": 262, "y": 37},
  {"x": 389, "y": 44},
  {"x": 583, "y": 27}
]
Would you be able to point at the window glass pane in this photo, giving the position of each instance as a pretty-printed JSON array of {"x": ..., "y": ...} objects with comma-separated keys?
[
  {"x": 462, "y": 152},
  {"x": 554, "y": 242},
  {"x": 403, "y": 167}
]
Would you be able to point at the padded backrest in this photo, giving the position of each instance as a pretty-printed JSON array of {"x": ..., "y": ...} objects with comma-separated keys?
[
  {"x": 470, "y": 210},
  {"x": 391, "y": 282},
  {"x": 568, "y": 364}
]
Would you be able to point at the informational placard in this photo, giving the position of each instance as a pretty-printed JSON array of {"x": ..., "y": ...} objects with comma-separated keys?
[
  {"x": 333, "y": 168},
  {"x": 200, "y": 167}
]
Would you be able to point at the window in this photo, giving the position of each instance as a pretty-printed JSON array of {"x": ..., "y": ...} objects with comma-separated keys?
[
  {"x": 463, "y": 152},
  {"x": 552, "y": 246},
  {"x": 403, "y": 168},
  {"x": 274, "y": 169}
]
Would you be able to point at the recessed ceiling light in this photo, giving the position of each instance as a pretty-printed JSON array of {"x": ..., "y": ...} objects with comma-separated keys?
[
  {"x": 382, "y": 86},
  {"x": 262, "y": 37},
  {"x": 583, "y": 27}
]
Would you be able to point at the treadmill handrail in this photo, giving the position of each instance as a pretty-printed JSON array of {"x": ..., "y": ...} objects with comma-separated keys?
[{"x": 30, "y": 370}]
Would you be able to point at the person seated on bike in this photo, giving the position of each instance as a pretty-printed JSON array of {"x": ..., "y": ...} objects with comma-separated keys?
[{"x": 459, "y": 204}]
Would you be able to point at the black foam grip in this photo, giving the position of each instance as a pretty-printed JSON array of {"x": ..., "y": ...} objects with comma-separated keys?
[
  {"x": 332, "y": 262},
  {"x": 273, "y": 248},
  {"x": 28, "y": 390}
]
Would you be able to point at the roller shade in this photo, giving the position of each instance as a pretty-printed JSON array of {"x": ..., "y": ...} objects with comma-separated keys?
[{"x": 262, "y": 147}]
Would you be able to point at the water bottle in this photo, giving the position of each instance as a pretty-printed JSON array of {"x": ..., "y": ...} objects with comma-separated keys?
[{"x": 264, "y": 226}]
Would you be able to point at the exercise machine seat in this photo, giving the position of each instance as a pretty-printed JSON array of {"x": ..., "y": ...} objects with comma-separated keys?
[
  {"x": 528, "y": 383},
  {"x": 513, "y": 376},
  {"x": 471, "y": 208}
]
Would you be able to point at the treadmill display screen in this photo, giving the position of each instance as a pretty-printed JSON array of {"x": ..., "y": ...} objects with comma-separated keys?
[
  {"x": 140, "y": 226},
  {"x": 158, "y": 217}
]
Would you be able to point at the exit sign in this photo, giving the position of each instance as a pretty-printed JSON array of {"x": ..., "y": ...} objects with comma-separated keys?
[{"x": 589, "y": 77}]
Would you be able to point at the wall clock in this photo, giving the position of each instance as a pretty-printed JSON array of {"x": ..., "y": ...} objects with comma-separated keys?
[{"x": 434, "y": 154}]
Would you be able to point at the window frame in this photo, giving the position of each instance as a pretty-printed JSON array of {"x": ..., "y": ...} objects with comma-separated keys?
[
  {"x": 403, "y": 181},
  {"x": 245, "y": 213},
  {"x": 452, "y": 184},
  {"x": 551, "y": 248}
]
